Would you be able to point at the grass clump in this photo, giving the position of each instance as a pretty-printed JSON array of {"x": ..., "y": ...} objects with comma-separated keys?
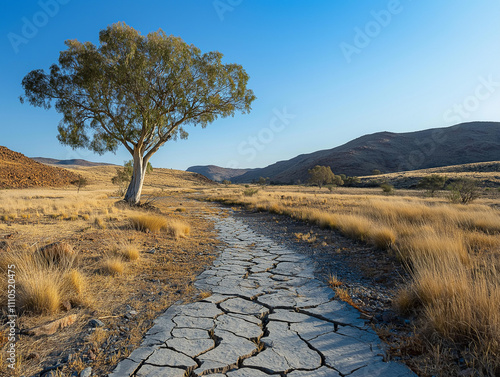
[
  {"x": 43, "y": 279},
  {"x": 154, "y": 223},
  {"x": 113, "y": 266},
  {"x": 130, "y": 253},
  {"x": 148, "y": 223}
]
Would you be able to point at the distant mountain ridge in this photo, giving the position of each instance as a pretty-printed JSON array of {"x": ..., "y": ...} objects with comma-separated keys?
[
  {"x": 216, "y": 173},
  {"x": 77, "y": 162},
  {"x": 388, "y": 152}
]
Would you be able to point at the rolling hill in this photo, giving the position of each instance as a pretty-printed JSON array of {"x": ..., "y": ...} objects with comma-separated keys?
[
  {"x": 74, "y": 162},
  {"x": 19, "y": 171},
  {"x": 390, "y": 152},
  {"x": 216, "y": 173}
]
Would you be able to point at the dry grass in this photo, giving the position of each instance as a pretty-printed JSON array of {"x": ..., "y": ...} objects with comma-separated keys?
[
  {"x": 131, "y": 253},
  {"x": 154, "y": 223},
  {"x": 113, "y": 266},
  {"x": 452, "y": 251},
  {"x": 148, "y": 223},
  {"x": 43, "y": 284}
]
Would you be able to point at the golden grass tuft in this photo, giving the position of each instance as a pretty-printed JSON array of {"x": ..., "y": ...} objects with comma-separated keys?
[
  {"x": 39, "y": 293},
  {"x": 333, "y": 281},
  {"x": 113, "y": 266},
  {"x": 178, "y": 229},
  {"x": 148, "y": 223},
  {"x": 130, "y": 253},
  {"x": 76, "y": 281}
]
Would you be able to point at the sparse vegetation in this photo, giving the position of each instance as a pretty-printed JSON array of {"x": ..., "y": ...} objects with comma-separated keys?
[
  {"x": 432, "y": 183},
  {"x": 463, "y": 191}
]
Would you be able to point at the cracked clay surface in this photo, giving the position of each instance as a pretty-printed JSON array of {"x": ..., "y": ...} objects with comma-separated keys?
[{"x": 267, "y": 315}]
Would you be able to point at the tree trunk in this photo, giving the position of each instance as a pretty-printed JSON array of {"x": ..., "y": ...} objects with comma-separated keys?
[{"x": 133, "y": 195}]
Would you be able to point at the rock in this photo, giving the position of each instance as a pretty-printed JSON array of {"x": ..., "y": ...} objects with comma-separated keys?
[
  {"x": 66, "y": 305},
  {"x": 94, "y": 322},
  {"x": 52, "y": 327},
  {"x": 87, "y": 372}
]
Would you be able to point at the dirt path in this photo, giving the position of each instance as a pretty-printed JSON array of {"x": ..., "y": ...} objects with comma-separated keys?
[{"x": 267, "y": 315}]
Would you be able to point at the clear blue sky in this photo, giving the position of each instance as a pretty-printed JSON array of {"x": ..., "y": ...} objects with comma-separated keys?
[{"x": 324, "y": 72}]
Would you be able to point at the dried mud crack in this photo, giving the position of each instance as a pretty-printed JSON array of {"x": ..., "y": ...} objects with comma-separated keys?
[{"x": 267, "y": 315}]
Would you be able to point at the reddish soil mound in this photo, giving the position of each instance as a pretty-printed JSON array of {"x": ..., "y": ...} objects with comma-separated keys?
[{"x": 19, "y": 171}]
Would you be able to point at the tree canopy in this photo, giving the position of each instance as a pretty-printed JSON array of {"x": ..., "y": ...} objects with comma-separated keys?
[
  {"x": 323, "y": 175},
  {"x": 136, "y": 91}
]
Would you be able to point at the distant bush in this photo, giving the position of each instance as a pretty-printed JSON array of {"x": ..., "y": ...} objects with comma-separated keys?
[
  {"x": 226, "y": 182},
  {"x": 432, "y": 183},
  {"x": 250, "y": 191},
  {"x": 376, "y": 172},
  {"x": 387, "y": 188},
  {"x": 463, "y": 191}
]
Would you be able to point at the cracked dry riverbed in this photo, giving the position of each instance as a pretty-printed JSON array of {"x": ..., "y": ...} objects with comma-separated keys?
[{"x": 267, "y": 315}]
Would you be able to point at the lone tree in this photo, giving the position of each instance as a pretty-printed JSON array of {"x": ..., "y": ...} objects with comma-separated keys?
[
  {"x": 136, "y": 91},
  {"x": 323, "y": 175},
  {"x": 432, "y": 183}
]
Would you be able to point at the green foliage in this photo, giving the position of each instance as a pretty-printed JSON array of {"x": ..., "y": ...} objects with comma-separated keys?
[
  {"x": 376, "y": 172},
  {"x": 226, "y": 182},
  {"x": 463, "y": 191},
  {"x": 432, "y": 183},
  {"x": 323, "y": 175},
  {"x": 81, "y": 182},
  {"x": 250, "y": 191},
  {"x": 139, "y": 91},
  {"x": 387, "y": 188},
  {"x": 351, "y": 181},
  {"x": 262, "y": 181}
]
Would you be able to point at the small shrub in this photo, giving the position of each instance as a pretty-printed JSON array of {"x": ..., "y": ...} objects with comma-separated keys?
[
  {"x": 250, "y": 191},
  {"x": 180, "y": 209},
  {"x": 463, "y": 191},
  {"x": 387, "y": 188}
]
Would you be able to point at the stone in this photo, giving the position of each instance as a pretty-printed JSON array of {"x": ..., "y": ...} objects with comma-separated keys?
[
  {"x": 125, "y": 368},
  {"x": 245, "y": 372},
  {"x": 87, "y": 372},
  {"x": 293, "y": 351},
  {"x": 94, "y": 322},
  {"x": 227, "y": 354},
  {"x": 344, "y": 354},
  {"x": 154, "y": 371},
  {"x": 321, "y": 372},
  {"x": 165, "y": 357},
  {"x": 241, "y": 306},
  {"x": 191, "y": 347},
  {"x": 52, "y": 327},
  {"x": 238, "y": 326}
]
